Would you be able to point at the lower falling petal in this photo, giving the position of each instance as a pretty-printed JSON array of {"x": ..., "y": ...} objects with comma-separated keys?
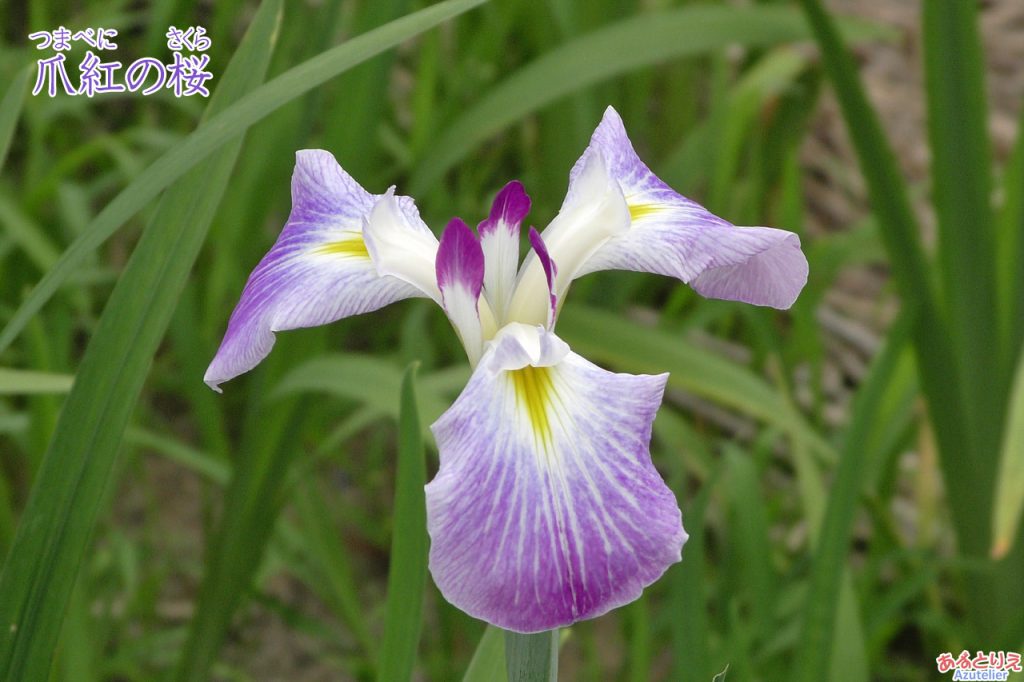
[{"x": 547, "y": 509}]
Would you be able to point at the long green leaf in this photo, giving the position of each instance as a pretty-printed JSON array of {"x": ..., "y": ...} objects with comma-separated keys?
[
  {"x": 600, "y": 335},
  {"x": 24, "y": 382},
  {"x": 941, "y": 374},
  {"x": 252, "y": 504},
  {"x": 370, "y": 380},
  {"x": 1010, "y": 251},
  {"x": 407, "y": 575},
  {"x": 361, "y": 97},
  {"x": 57, "y": 523},
  {"x": 214, "y": 470},
  {"x": 209, "y": 137},
  {"x": 27, "y": 234},
  {"x": 822, "y": 603},
  {"x": 688, "y": 591},
  {"x": 488, "y": 662},
  {"x": 961, "y": 190},
  {"x": 749, "y": 538},
  {"x": 329, "y": 559},
  {"x": 889, "y": 198},
  {"x": 848, "y": 663},
  {"x": 776, "y": 71},
  {"x": 1009, "y": 495},
  {"x": 10, "y": 109},
  {"x": 636, "y": 42}
]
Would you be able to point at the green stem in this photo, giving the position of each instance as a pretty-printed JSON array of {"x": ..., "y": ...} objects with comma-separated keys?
[{"x": 531, "y": 658}]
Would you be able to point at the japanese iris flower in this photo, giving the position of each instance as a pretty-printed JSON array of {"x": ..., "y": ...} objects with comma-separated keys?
[{"x": 546, "y": 508}]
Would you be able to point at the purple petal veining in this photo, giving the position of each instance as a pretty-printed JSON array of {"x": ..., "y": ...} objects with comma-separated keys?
[
  {"x": 317, "y": 272},
  {"x": 671, "y": 235},
  {"x": 546, "y": 509}
]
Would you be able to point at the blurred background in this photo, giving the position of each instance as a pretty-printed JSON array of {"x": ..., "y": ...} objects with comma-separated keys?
[{"x": 246, "y": 536}]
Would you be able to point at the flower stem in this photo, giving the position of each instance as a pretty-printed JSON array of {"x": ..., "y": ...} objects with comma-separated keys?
[{"x": 531, "y": 658}]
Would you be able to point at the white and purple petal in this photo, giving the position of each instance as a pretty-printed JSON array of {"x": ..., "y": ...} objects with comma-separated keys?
[
  {"x": 460, "y": 277},
  {"x": 593, "y": 213},
  {"x": 400, "y": 244},
  {"x": 318, "y": 271},
  {"x": 671, "y": 235},
  {"x": 546, "y": 509},
  {"x": 499, "y": 238}
]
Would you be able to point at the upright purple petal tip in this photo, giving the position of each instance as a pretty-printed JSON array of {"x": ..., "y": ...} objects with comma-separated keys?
[
  {"x": 460, "y": 260},
  {"x": 508, "y": 209}
]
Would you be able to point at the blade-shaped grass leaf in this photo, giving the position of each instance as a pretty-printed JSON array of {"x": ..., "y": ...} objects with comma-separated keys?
[
  {"x": 601, "y": 336},
  {"x": 407, "y": 574},
  {"x": 961, "y": 171},
  {"x": 488, "y": 662},
  {"x": 25, "y": 382},
  {"x": 639, "y": 41},
  {"x": 831, "y": 549},
  {"x": 10, "y": 109},
  {"x": 57, "y": 523},
  {"x": 1010, "y": 252},
  {"x": 954, "y": 419},
  {"x": 1009, "y": 493},
  {"x": 209, "y": 137}
]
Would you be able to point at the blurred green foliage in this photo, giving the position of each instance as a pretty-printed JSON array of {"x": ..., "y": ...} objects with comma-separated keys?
[{"x": 167, "y": 532}]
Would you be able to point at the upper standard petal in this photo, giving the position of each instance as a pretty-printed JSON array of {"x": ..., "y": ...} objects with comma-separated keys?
[
  {"x": 594, "y": 212},
  {"x": 460, "y": 277},
  {"x": 540, "y": 249},
  {"x": 499, "y": 239}
]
